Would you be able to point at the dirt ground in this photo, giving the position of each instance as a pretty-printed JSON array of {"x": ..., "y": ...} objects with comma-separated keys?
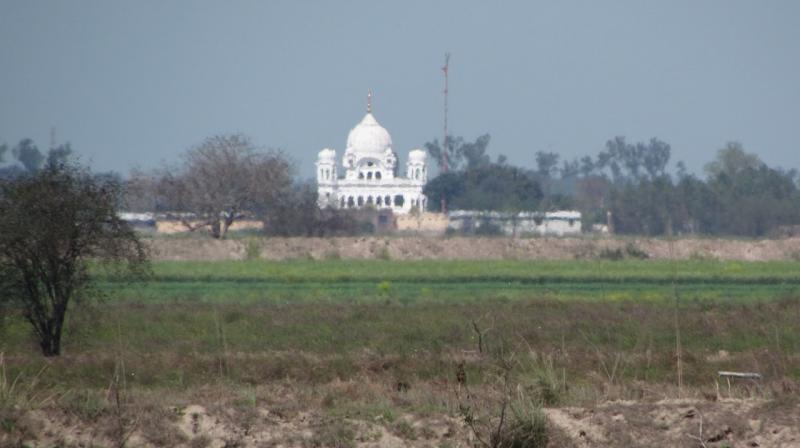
[
  {"x": 469, "y": 248},
  {"x": 668, "y": 423},
  {"x": 199, "y": 426},
  {"x": 681, "y": 423}
]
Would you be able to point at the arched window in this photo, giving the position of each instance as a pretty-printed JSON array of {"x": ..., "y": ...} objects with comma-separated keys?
[
  {"x": 360, "y": 175},
  {"x": 379, "y": 201},
  {"x": 399, "y": 200},
  {"x": 369, "y": 175},
  {"x": 350, "y": 202},
  {"x": 341, "y": 202},
  {"x": 378, "y": 175},
  {"x": 416, "y": 174},
  {"x": 369, "y": 200},
  {"x": 361, "y": 201},
  {"x": 387, "y": 200}
]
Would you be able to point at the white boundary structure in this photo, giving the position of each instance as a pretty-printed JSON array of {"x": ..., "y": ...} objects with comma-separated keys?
[{"x": 558, "y": 223}]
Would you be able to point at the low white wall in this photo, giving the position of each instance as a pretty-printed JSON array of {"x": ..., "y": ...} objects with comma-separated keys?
[{"x": 557, "y": 223}]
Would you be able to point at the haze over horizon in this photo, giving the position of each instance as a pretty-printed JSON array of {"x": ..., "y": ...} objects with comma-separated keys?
[{"x": 130, "y": 84}]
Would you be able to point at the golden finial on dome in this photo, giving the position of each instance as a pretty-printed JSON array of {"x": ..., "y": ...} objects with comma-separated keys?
[{"x": 369, "y": 101}]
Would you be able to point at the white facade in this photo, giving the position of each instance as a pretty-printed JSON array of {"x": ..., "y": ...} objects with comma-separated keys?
[
  {"x": 558, "y": 223},
  {"x": 370, "y": 177}
]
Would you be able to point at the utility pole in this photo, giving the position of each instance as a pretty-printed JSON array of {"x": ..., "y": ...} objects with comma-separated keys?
[{"x": 444, "y": 160}]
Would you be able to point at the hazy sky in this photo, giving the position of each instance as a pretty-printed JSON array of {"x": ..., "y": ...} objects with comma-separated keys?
[{"x": 134, "y": 83}]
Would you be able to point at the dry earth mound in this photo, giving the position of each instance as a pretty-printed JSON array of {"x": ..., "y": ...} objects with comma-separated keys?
[
  {"x": 668, "y": 423},
  {"x": 471, "y": 248},
  {"x": 681, "y": 423}
]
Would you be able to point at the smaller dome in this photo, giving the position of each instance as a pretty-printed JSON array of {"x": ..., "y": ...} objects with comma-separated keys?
[
  {"x": 327, "y": 154},
  {"x": 417, "y": 155}
]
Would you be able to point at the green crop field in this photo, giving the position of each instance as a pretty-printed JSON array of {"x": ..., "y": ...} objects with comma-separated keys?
[
  {"x": 376, "y": 339},
  {"x": 413, "y": 281}
]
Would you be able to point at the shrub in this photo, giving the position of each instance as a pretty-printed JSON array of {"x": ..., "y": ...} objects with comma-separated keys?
[
  {"x": 632, "y": 251},
  {"x": 404, "y": 430},
  {"x": 333, "y": 254},
  {"x": 526, "y": 429},
  {"x": 19, "y": 392},
  {"x": 384, "y": 287},
  {"x": 547, "y": 387},
  {"x": 87, "y": 405},
  {"x": 252, "y": 250},
  {"x": 334, "y": 433},
  {"x": 383, "y": 254},
  {"x": 611, "y": 254}
]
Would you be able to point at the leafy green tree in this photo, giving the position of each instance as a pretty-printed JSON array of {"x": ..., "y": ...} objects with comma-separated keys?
[
  {"x": 570, "y": 169},
  {"x": 460, "y": 152},
  {"x": 631, "y": 162},
  {"x": 294, "y": 213},
  {"x": 732, "y": 160},
  {"x": 647, "y": 207},
  {"x": 587, "y": 166},
  {"x": 54, "y": 223},
  {"x": 449, "y": 185},
  {"x": 488, "y": 187},
  {"x": 546, "y": 163},
  {"x": 741, "y": 195},
  {"x": 754, "y": 201},
  {"x": 448, "y": 150},
  {"x": 59, "y": 155},
  {"x": 28, "y": 154},
  {"x": 655, "y": 157},
  {"x": 474, "y": 153},
  {"x": 31, "y": 158}
]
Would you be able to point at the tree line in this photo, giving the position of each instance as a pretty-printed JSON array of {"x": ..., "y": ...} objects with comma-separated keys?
[
  {"x": 627, "y": 186},
  {"x": 632, "y": 187}
]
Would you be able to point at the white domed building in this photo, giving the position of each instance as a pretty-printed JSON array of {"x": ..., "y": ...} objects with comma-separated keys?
[{"x": 370, "y": 176}]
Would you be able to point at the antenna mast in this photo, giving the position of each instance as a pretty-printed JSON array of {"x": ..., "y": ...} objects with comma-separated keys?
[{"x": 445, "y": 145}]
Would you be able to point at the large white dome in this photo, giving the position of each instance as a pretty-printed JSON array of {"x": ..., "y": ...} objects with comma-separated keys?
[{"x": 369, "y": 138}]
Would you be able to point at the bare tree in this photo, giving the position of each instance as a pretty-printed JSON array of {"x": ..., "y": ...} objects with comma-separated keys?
[
  {"x": 53, "y": 223},
  {"x": 140, "y": 192},
  {"x": 222, "y": 179}
]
